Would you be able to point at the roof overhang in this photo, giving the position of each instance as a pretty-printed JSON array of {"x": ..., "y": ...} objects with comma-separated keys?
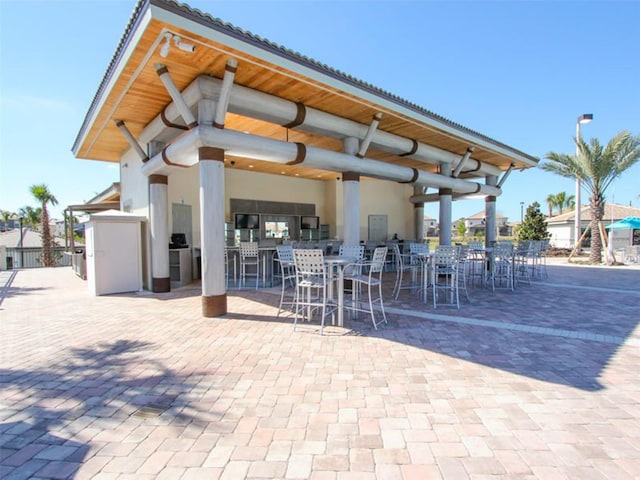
[{"x": 132, "y": 91}]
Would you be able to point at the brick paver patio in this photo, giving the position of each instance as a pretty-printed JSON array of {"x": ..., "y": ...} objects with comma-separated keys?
[{"x": 542, "y": 383}]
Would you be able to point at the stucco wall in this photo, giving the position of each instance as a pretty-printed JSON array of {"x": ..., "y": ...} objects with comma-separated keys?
[
  {"x": 377, "y": 197},
  {"x": 561, "y": 236}
]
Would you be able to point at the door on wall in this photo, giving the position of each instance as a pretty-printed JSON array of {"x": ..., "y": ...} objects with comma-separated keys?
[
  {"x": 181, "y": 221},
  {"x": 377, "y": 228}
]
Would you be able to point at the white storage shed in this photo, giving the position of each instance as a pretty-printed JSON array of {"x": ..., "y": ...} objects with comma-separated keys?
[{"x": 114, "y": 252}]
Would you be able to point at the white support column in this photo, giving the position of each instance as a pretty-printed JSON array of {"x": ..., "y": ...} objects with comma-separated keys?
[
  {"x": 159, "y": 228},
  {"x": 351, "y": 193},
  {"x": 446, "y": 200},
  {"x": 418, "y": 214},
  {"x": 490, "y": 229},
  {"x": 214, "y": 294}
]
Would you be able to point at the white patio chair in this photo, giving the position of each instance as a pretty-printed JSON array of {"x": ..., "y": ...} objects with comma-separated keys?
[
  {"x": 249, "y": 257},
  {"x": 407, "y": 273},
  {"x": 312, "y": 287},
  {"x": 372, "y": 280},
  {"x": 523, "y": 254},
  {"x": 462, "y": 256},
  {"x": 230, "y": 260},
  {"x": 444, "y": 276},
  {"x": 286, "y": 262},
  {"x": 501, "y": 266}
]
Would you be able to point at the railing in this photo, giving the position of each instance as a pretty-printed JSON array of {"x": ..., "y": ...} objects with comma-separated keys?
[{"x": 31, "y": 258}]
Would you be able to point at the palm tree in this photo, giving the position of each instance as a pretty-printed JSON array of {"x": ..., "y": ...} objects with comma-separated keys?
[
  {"x": 596, "y": 167},
  {"x": 565, "y": 201},
  {"x": 42, "y": 194},
  {"x": 6, "y": 216},
  {"x": 30, "y": 216},
  {"x": 551, "y": 203}
]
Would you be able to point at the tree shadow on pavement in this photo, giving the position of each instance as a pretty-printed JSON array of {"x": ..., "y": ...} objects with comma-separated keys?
[{"x": 45, "y": 411}]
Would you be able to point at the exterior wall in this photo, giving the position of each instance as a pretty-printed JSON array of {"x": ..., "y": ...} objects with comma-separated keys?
[
  {"x": 184, "y": 188},
  {"x": 333, "y": 198},
  {"x": 134, "y": 198},
  {"x": 379, "y": 197},
  {"x": 561, "y": 236},
  {"x": 277, "y": 188}
]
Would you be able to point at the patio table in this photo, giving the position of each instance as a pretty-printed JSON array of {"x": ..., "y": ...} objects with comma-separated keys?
[{"x": 338, "y": 263}]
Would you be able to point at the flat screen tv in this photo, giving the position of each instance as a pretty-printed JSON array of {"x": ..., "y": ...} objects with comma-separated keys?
[
  {"x": 244, "y": 221},
  {"x": 309, "y": 223}
]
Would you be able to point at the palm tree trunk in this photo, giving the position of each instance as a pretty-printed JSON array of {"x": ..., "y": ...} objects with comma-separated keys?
[
  {"x": 47, "y": 257},
  {"x": 596, "y": 207}
]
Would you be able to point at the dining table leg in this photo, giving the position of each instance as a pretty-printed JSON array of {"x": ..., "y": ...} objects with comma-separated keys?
[{"x": 340, "y": 296}]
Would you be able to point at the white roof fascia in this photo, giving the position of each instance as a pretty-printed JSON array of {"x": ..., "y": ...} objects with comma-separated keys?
[{"x": 117, "y": 71}]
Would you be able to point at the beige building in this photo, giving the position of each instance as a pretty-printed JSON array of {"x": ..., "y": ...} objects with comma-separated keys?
[
  {"x": 215, "y": 128},
  {"x": 561, "y": 227}
]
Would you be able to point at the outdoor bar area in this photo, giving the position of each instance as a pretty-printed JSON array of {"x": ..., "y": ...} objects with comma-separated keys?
[{"x": 247, "y": 161}]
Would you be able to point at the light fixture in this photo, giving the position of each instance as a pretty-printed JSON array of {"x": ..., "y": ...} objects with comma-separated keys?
[
  {"x": 585, "y": 118},
  {"x": 166, "y": 46},
  {"x": 185, "y": 47},
  {"x": 164, "y": 50}
]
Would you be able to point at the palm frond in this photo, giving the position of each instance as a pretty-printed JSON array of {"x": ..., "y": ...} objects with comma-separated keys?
[{"x": 560, "y": 164}]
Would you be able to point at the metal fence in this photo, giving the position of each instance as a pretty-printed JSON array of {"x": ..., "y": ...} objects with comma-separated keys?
[{"x": 30, "y": 258}]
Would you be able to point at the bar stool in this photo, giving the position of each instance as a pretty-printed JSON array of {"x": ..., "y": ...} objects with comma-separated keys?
[
  {"x": 284, "y": 257},
  {"x": 249, "y": 257},
  {"x": 444, "y": 276}
]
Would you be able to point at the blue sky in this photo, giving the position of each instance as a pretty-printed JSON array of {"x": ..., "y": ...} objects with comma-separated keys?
[{"x": 519, "y": 72}]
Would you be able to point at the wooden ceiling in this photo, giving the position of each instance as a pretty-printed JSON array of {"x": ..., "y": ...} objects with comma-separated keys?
[{"x": 133, "y": 92}]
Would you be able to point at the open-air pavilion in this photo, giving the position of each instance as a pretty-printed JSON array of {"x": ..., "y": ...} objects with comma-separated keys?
[{"x": 207, "y": 120}]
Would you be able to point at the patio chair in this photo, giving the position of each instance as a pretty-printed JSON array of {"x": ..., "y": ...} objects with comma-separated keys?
[
  {"x": 444, "y": 276},
  {"x": 312, "y": 287},
  {"x": 501, "y": 266},
  {"x": 462, "y": 256},
  {"x": 405, "y": 268},
  {"x": 229, "y": 260},
  {"x": 355, "y": 251},
  {"x": 249, "y": 257},
  {"x": 522, "y": 255},
  {"x": 286, "y": 262},
  {"x": 372, "y": 280}
]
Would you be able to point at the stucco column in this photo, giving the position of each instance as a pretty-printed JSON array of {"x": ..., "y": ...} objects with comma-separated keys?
[
  {"x": 159, "y": 230},
  {"x": 490, "y": 213},
  {"x": 214, "y": 294},
  {"x": 351, "y": 194},
  {"x": 446, "y": 199}
]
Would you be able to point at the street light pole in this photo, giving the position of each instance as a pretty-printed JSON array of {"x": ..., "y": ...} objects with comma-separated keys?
[
  {"x": 584, "y": 118},
  {"x": 521, "y": 212},
  {"x": 21, "y": 245}
]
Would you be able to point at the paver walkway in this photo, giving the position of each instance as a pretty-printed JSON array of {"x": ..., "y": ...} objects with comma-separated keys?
[{"x": 542, "y": 383}]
